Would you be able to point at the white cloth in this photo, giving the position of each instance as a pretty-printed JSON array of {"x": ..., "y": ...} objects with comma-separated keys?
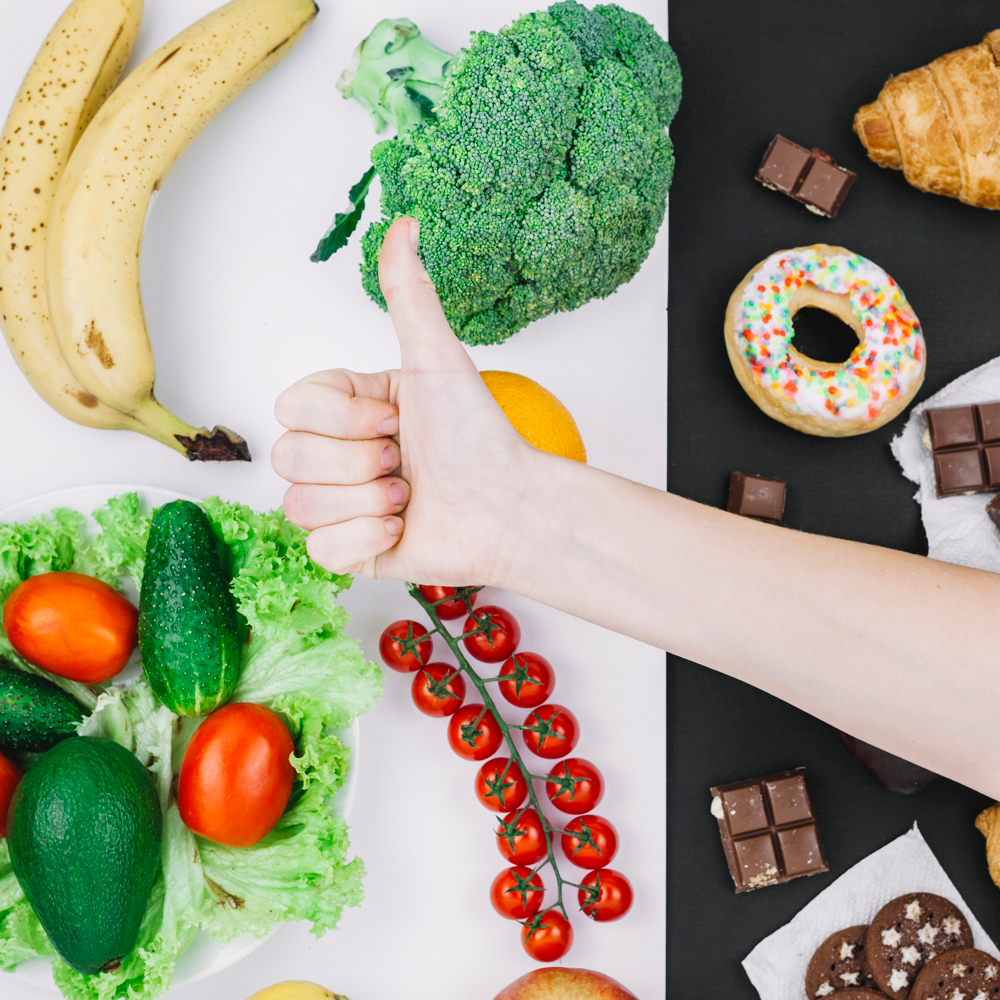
[
  {"x": 958, "y": 528},
  {"x": 777, "y": 966}
]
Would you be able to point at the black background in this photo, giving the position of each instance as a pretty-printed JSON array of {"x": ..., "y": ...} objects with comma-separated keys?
[{"x": 752, "y": 69}]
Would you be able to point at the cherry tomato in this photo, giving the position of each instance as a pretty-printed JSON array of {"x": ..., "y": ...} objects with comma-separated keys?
[
  {"x": 500, "y": 636},
  {"x": 438, "y": 690},
  {"x": 472, "y": 737},
  {"x": 236, "y": 778},
  {"x": 10, "y": 778},
  {"x": 553, "y": 732},
  {"x": 71, "y": 625},
  {"x": 500, "y": 785},
  {"x": 532, "y": 680},
  {"x": 548, "y": 937},
  {"x": 414, "y": 655},
  {"x": 577, "y": 786},
  {"x": 448, "y": 610},
  {"x": 608, "y": 895},
  {"x": 521, "y": 838},
  {"x": 517, "y": 893},
  {"x": 590, "y": 841}
]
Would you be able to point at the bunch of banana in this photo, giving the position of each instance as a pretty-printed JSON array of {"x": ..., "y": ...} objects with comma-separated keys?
[{"x": 79, "y": 163}]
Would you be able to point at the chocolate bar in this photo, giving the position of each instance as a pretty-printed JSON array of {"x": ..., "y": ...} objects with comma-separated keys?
[
  {"x": 769, "y": 831},
  {"x": 811, "y": 177},
  {"x": 965, "y": 441},
  {"x": 894, "y": 774},
  {"x": 993, "y": 509},
  {"x": 756, "y": 497}
]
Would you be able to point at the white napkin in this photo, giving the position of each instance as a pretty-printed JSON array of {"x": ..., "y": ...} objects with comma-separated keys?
[
  {"x": 777, "y": 966},
  {"x": 958, "y": 528}
]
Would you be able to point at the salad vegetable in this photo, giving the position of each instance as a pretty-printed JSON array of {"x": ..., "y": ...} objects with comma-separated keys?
[{"x": 298, "y": 662}]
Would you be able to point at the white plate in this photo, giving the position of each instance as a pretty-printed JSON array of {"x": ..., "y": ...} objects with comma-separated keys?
[{"x": 204, "y": 957}]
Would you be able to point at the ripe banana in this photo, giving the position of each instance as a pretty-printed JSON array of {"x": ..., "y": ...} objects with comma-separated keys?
[
  {"x": 296, "y": 990},
  {"x": 96, "y": 224},
  {"x": 69, "y": 80}
]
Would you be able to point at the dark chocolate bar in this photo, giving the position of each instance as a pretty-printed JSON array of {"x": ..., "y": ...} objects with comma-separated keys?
[
  {"x": 756, "y": 497},
  {"x": 809, "y": 176},
  {"x": 965, "y": 441},
  {"x": 769, "y": 831},
  {"x": 894, "y": 774}
]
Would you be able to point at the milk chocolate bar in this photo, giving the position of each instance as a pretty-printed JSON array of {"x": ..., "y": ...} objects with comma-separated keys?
[
  {"x": 965, "y": 441},
  {"x": 809, "y": 176},
  {"x": 769, "y": 831},
  {"x": 757, "y": 497}
]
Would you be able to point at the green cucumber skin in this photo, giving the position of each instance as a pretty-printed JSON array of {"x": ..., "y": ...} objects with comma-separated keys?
[
  {"x": 189, "y": 632},
  {"x": 84, "y": 841},
  {"x": 35, "y": 715}
]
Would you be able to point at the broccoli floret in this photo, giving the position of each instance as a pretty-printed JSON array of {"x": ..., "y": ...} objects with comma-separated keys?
[{"x": 540, "y": 170}]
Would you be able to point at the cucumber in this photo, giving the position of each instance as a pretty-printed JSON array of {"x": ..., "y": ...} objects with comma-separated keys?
[
  {"x": 189, "y": 629},
  {"x": 84, "y": 835},
  {"x": 35, "y": 715}
]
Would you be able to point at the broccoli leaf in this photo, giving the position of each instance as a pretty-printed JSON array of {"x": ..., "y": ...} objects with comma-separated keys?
[{"x": 345, "y": 222}]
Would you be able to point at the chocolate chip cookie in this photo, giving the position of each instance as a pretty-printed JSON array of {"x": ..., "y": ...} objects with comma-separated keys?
[
  {"x": 907, "y": 933},
  {"x": 966, "y": 974},
  {"x": 840, "y": 962}
]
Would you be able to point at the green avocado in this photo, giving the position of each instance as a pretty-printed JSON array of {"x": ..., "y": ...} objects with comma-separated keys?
[
  {"x": 189, "y": 629},
  {"x": 34, "y": 714},
  {"x": 84, "y": 833}
]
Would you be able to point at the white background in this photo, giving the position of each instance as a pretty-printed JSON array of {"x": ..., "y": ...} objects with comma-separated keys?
[{"x": 237, "y": 312}]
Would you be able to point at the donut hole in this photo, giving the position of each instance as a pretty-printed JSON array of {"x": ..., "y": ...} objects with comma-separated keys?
[{"x": 821, "y": 336}]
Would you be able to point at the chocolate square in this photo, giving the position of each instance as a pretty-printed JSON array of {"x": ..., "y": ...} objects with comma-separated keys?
[
  {"x": 758, "y": 864},
  {"x": 783, "y": 165},
  {"x": 989, "y": 421},
  {"x": 993, "y": 509},
  {"x": 952, "y": 428},
  {"x": 959, "y": 472},
  {"x": 800, "y": 850},
  {"x": 756, "y": 497},
  {"x": 744, "y": 809},
  {"x": 824, "y": 187},
  {"x": 789, "y": 800},
  {"x": 992, "y": 456}
]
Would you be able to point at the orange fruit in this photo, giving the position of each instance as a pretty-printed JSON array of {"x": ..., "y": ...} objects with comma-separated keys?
[{"x": 536, "y": 414}]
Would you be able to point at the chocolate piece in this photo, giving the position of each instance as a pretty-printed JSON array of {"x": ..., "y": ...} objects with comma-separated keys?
[
  {"x": 893, "y": 773},
  {"x": 965, "y": 441},
  {"x": 993, "y": 509},
  {"x": 768, "y": 828},
  {"x": 756, "y": 497},
  {"x": 809, "y": 176}
]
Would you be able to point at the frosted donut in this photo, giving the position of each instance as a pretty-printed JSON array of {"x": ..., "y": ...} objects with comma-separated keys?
[{"x": 874, "y": 385}]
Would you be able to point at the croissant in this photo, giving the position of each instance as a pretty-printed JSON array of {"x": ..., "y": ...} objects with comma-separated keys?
[
  {"x": 940, "y": 125},
  {"x": 988, "y": 824}
]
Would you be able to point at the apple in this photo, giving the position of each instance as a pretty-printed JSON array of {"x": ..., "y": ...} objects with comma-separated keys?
[{"x": 565, "y": 984}]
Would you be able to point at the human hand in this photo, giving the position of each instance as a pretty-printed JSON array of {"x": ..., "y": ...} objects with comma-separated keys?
[{"x": 439, "y": 507}]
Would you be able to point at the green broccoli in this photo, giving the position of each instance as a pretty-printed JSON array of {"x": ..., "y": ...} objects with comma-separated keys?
[{"x": 536, "y": 160}]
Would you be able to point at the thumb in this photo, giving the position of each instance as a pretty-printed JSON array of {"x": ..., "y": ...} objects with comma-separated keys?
[{"x": 425, "y": 338}]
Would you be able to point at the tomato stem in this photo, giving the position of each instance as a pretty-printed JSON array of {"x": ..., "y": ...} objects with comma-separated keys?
[{"x": 484, "y": 626}]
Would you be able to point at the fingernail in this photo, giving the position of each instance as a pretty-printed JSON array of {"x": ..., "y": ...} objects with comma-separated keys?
[
  {"x": 393, "y": 526},
  {"x": 397, "y": 494},
  {"x": 415, "y": 235},
  {"x": 389, "y": 426},
  {"x": 390, "y": 457}
]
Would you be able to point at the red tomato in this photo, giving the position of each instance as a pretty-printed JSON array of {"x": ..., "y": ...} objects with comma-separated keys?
[
  {"x": 438, "y": 690},
  {"x": 500, "y": 785},
  {"x": 236, "y": 777},
  {"x": 577, "y": 786},
  {"x": 448, "y": 610},
  {"x": 551, "y": 731},
  {"x": 590, "y": 842},
  {"x": 499, "y": 637},
  {"x": 532, "y": 680},
  {"x": 474, "y": 737},
  {"x": 71, "y": 625},
  {"x": 10, "y": 778},
  {"x": 608, "y": 895},
  {"x": 517, "y": 893},
  {"x": 400, "y": 651},
  {"x": 548, "y": 937},
  {"x": 521, "y": 838}
]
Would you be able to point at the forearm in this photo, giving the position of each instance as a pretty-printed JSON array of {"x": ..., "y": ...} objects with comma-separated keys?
[{"x": 899, "y": 650}]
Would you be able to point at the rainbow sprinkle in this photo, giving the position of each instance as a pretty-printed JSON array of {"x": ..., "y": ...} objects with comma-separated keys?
[{"x": 884, "y": 365}]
